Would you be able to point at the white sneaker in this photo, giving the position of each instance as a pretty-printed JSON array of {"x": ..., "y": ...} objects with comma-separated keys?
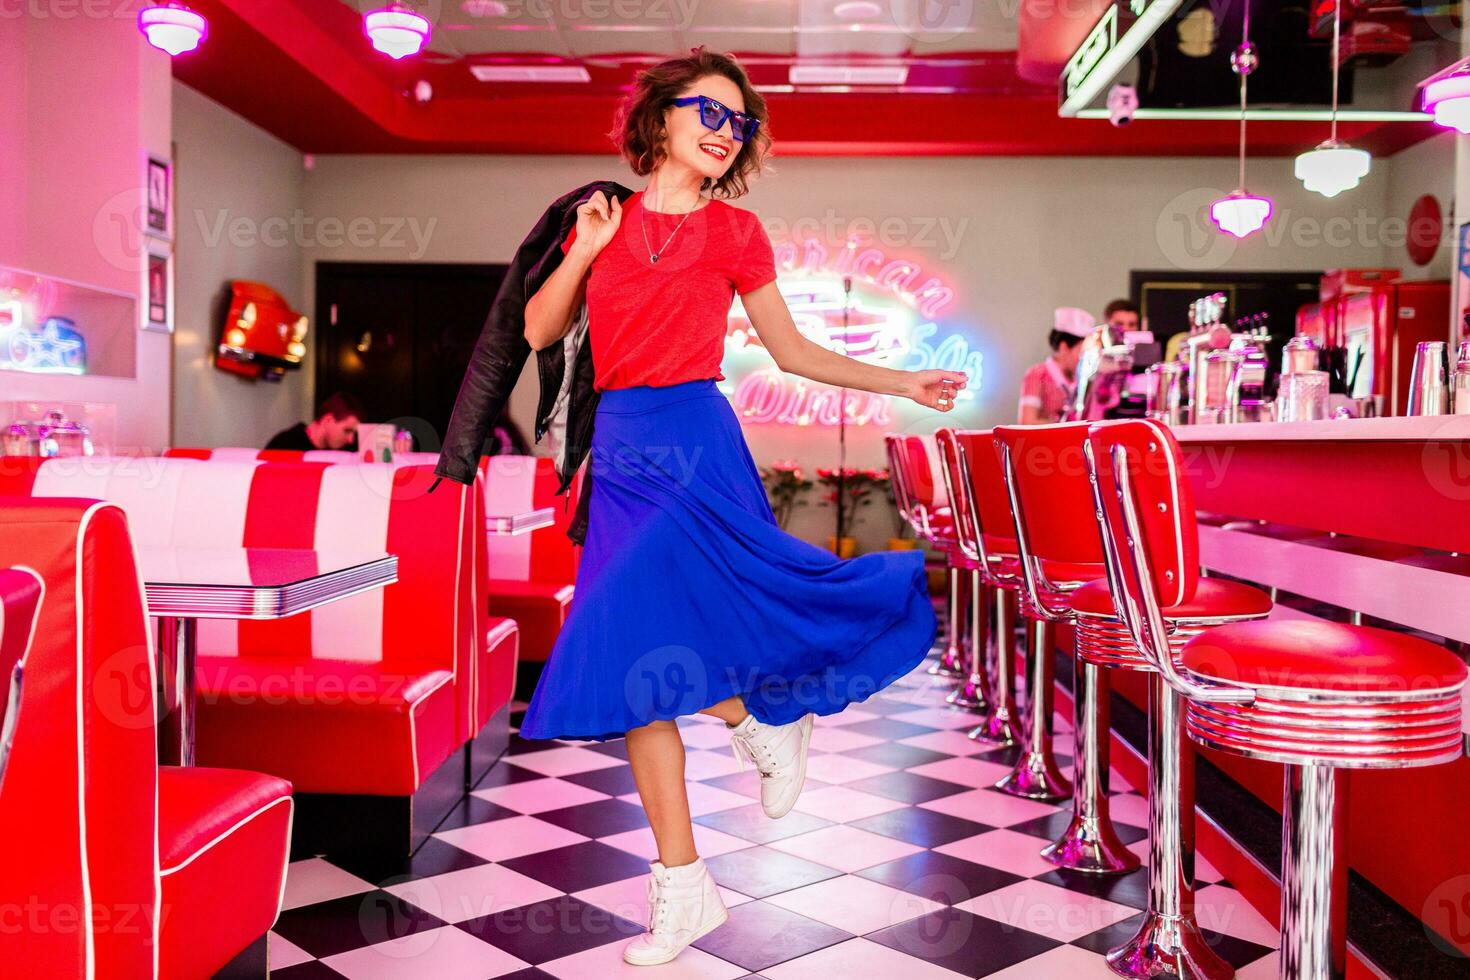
[
  {"x": 683, "y": 904},
  {"x": 779, "y": 754}
]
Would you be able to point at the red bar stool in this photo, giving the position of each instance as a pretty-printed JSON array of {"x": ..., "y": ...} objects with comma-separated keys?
[
  {"x": 1045, "y": 471},
  {"x": 932, "y": 521},
  {"x": 1319, "y": 697},
  {"x": 1168, "y": 941},
  {"x": 997, "y": 574},
  {"x": 1036, "y": 774}
]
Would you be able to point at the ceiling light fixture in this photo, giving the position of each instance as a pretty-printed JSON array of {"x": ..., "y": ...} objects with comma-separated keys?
[
  {"x": 173, "y": 27},
  {"x": 397, "y": 31},
  {"x": 1241, "y": 213},
  {"x": 1447, "y": 96},
  {"x": 856, "y": 10},
  {"x": 848, "y": 74},
  {"x": 1334, "y": 166}
]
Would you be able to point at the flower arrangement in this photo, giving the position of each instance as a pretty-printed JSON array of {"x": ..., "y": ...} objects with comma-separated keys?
[
  {"x": 858, "y": 489},
  {"x": 785, "y": 484}
]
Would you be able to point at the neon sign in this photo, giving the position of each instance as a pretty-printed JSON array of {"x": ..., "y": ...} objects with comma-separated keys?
[
  {"x": 56, "y": 348},
  {"x": 889, "y": 322},
  {"x": 1090, "y": 52},
  {"x": 1104, "y": 52}
]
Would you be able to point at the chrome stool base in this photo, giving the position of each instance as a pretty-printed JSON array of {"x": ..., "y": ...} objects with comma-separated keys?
[
  {"x": 1169, "y": 946},
  {"x": 1090, "y": 844},
  {"x": 1002, "y": 726},
  {"x": 951, "y": 662},
  {"x": 969, "y": 696},
  {"x": 973, "y": 693},
  {"x": 999, "y": 730},
  {"x": 1091, "y": 847},
  {"x": 1036, "y": 775},
  {"x": 1169, "y": 941}
]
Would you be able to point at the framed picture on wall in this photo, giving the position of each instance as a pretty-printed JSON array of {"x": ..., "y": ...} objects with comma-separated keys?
[
  {"x": 159, "y": 291},
  {"x": 160, "y": 193}
]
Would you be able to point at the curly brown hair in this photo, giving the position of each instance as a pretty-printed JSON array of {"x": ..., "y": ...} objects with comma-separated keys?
[{"x": 640, "y": 120}]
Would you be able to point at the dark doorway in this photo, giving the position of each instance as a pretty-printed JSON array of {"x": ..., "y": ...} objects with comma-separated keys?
[
  {"x": 399, "y": 334},
  {"x": 1164, "y": 298}
]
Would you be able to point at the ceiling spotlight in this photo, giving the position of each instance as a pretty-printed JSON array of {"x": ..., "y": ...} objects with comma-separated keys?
[
  {"x": 397, "y": 31},
  {"x": 173, "y": 27}
]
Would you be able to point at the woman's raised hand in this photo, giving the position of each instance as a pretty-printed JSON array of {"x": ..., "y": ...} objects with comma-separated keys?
[
  {"x": 597, "y": 221},
  {"x": 935, "y": 389}
]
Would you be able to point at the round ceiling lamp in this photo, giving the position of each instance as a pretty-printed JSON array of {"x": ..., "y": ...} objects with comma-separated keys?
[
  {"x": 397, "y": 31},
  {"x": 1333, "y": 166},
  {"x": 1448, "y": 98},
  {"x": 1241, "y": 213},
  {"x": 173, "y": 27}
]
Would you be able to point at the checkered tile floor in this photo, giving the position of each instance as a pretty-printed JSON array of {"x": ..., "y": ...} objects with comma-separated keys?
[{"x": 899, "y": 861}]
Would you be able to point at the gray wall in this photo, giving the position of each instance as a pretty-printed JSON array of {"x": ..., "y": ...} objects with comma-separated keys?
[{"x": 237, "y": 187}]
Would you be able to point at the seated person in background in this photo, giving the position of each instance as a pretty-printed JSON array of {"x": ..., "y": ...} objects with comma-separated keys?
[
  {"x": 1046, "y": 388},
  {"x": 335, "y": 427}
]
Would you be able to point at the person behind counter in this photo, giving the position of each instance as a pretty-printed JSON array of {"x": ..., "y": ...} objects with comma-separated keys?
[
  {"x": 1046, "y": 388},
  {"x": 335, "y": 427},
  {"x": 1122, "y": 316}
]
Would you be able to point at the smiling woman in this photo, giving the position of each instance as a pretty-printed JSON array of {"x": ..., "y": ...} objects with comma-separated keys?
[{"x": 759, "y": 629}]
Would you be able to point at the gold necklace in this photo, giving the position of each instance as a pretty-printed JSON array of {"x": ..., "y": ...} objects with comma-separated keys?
[{"x": 643, "y": 226}]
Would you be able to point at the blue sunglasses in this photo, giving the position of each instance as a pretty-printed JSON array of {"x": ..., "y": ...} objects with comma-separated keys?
[{"x": 713, "y": 114}]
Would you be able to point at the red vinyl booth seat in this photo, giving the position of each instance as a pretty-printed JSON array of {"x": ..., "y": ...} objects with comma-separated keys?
[
  {"x": 20, "y": 600},
  {"x": 366, "y": 695},
  {"x": 530, "y": 576},
  {"x": 379, "y": 686},
  {"x": 161, "y": 872},
  {"x": 533, "y": 575},
  {"x": 214, "y": 826}
]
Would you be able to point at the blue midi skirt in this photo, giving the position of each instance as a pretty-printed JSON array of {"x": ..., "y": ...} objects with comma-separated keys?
[{"x": 688, "y": 591}]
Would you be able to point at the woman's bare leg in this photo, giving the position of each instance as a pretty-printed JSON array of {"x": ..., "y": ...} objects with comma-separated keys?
[
  {"x": 656, "y": 754},
  {"x": 731, "y": 710}
]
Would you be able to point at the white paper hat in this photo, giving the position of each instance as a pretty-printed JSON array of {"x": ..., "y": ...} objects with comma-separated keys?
[{"x": 1071, "y": 320}]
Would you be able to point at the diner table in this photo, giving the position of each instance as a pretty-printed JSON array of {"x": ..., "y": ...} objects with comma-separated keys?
[
  {"x": 185, "y": 585},
  {"x": 520, "y": 522}
]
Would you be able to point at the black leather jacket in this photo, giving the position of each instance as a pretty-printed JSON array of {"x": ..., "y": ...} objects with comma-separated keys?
[{"x": 501, "y": 353}]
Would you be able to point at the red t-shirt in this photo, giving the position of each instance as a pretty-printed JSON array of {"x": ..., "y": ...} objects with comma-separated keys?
[{"x": 664, "y": 323}]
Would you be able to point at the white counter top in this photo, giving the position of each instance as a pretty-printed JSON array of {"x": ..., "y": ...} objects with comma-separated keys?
[{"x": 1414, "y": 429}]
